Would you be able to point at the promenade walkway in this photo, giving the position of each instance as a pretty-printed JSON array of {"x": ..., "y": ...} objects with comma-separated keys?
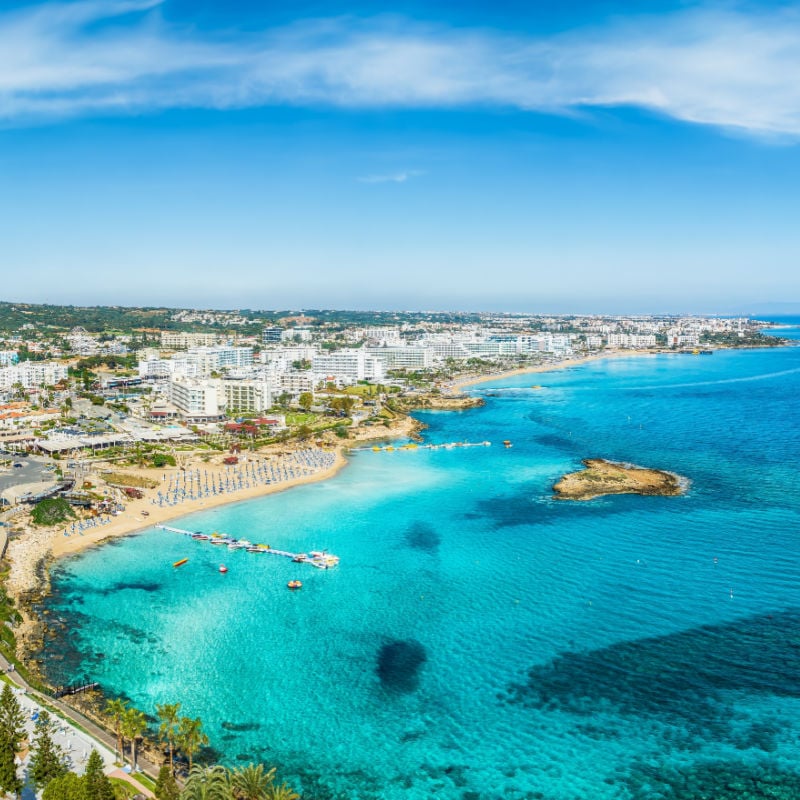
[{"x": 76, "y": 739}]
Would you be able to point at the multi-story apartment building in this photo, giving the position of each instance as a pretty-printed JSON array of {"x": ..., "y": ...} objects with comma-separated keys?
[
  {"x": 347, "y": 366},
  {"x": 174, "y": 340},
  {"x": 197, "y": 400},
  {"x": 32, "y": 374},
  {"x": 403, "y": 357},
  {"x": 272, "y": 335},
  {"x": 248, "y": 395}
]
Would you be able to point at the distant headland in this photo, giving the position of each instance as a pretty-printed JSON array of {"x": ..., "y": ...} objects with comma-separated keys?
[{"x": 603, "y": 477}]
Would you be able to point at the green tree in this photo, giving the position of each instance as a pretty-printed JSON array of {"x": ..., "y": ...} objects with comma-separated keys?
[
  {"x": 116, "y": 710},
  {"x": 252, "y": 782},
  {"x": 97, "y": 786},
  {"x": 133, "y": 726},
  {"x": 168, "y": 727},
  {"x": 166, "y": 786},
  {"x": 47, "y": 758},
  {"x": 283, "y": 792},
  {"x": 52, "y": 511},
  {"x": 67, "y": 787},
  {"x": 306, "y": 400},
  {"x": 12, "y": 732},
  {"x": 191, "y": 737},
  {"x": 207, "y": 783}
]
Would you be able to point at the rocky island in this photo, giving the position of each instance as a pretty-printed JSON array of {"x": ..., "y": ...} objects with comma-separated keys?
[{"x": 603, "y": 477}]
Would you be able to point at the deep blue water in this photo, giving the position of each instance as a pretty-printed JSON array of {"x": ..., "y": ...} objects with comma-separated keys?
[{"x": 480, "y": 639}]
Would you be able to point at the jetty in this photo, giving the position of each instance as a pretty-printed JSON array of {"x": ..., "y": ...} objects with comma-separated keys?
[
  {"x": 66, "y": 691},
  {"x": 321, "y": 559},
  {"x": 413, "y": 446}
]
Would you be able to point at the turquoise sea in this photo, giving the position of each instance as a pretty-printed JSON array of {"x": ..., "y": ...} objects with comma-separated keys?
[{"x": 480, "y": 639}]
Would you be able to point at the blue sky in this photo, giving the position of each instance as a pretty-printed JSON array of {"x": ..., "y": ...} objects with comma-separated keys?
[{"x": 552, "y": 156}]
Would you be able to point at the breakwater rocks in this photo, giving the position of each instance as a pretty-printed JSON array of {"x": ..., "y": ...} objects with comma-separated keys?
[{"x": 603, "y": 477}]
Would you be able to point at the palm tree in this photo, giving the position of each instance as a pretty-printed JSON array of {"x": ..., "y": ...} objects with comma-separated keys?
[
  {"x": 168, "y": 729},
  {"x": 191, "y": 737},
  {"x": 283, "y": 792},
  {"x": 116, "y": 710},
  {"x": 207, "y": 783},
  {"x": 252, "y": 782},
  {"x": 133, "y": 726}
]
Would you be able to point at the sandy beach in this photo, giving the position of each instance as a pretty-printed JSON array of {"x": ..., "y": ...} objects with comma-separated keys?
[
  {"x": 37, "y": 544},
  {"x": 460, "y": 385}
]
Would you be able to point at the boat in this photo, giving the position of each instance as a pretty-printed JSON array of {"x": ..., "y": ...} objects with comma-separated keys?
[
  {"x": 300, "y": 558},
  {"x": 507, "y": 443},
  {"x": 223, "y": 569},
  {"x": 295, "y": 585},
  {"x": 180, "y": 563},
  {"x": 536, "y": 386}
]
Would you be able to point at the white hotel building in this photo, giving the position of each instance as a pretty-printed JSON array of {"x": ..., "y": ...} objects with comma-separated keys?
[
  {"x": 197, "y": 400},
  {"x": 347, "y": 366},
  {"x": 32, "y": 374}
]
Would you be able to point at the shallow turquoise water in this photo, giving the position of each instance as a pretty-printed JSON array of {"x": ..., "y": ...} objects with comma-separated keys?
[{"x": 478, "y": 635}]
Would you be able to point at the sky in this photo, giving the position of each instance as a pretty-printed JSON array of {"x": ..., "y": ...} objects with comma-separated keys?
[{"x": 554, "y": 156}]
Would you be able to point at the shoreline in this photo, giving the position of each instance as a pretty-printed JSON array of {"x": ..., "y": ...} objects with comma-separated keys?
[
  {"x": 123, "y": 526},
  {"x": 35, "y": 546},
  {"x": 460, "y": 385}
]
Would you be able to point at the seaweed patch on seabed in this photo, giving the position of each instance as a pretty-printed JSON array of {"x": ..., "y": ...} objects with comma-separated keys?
[
  {"x": 720, "y": 780},
  {"x": 399, "y": 665},
  {"x": 684, "y": 679},
  {"x": 422, "y": 536}
]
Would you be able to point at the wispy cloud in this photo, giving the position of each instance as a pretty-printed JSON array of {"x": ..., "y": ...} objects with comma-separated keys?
[
  {"x": 727, "y": 67},
  {"x": 394, "y": 177}
]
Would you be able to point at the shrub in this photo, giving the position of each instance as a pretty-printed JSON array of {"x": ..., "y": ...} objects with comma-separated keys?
[{"x": 52, "y": 511}]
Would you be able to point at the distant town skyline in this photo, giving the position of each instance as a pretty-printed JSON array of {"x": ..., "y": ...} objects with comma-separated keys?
[{"x": 569, "y": 157}]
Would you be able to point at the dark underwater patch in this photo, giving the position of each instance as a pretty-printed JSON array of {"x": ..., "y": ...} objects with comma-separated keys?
[
  {"x": 422, "y": 536},
  {"x": 556, "y": 441},
  {"x": 717, "y": 780},
  {"x": 138, "y": 586},
  {"x": 399, "y": 665},
  {"x": 679, "y": 678},
  {"x": 241, "y": 727}
]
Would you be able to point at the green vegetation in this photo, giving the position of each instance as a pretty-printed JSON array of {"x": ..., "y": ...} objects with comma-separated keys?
[
  {"x": 750, "y": 339},
  {"x": 132, "y": 725},
  {"x": 123, "y": 479},
  {"x": 191, "y": 737},
  {"x": 166, "y": 787},
  {"x": 12, "y": 733},
  {"x": 47, "y": 759},
  {"x": 168, "y": 730},
  {"x": 52, "y": 511},
  {"x": 300, "y": 419},
  {"x": 163, "y": 460},
  {"x": 94, "y": 785}
]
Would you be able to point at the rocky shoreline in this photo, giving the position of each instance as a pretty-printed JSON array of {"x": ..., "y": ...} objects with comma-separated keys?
[{"x": 603, "y": 477}]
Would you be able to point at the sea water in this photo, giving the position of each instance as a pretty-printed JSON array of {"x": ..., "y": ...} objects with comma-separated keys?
[{"x": 481, "y": 639}]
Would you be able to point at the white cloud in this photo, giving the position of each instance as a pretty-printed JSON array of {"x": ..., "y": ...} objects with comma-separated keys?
[
  {"x": 395, "y": 177},
  {"x": 717, "y": 66}
]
